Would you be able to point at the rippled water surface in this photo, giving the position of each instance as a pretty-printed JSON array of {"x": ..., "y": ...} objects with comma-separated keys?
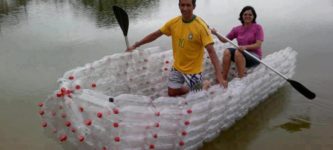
[{"x": 41, "y": 39}]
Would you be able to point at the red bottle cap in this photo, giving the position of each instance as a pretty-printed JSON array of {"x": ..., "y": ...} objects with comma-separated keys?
[
  {"x": 117, "y": 139},
  {"x": 88, "y": 122},
  {"x": 81, "y": 138},
  {"x": 71, "y": 77},
  {"x": 63, "y": 137},
  {"x": 93, "y": 85},
  {"x": 44, "y": 124},
  {"x": 99, "y": 115},
  {"x": 116, "y": 125}
]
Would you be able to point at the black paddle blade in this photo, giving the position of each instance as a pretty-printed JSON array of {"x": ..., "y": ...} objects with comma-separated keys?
[
  {"x": 302, "y": 89},
  {"x": 122, "y": 18}
]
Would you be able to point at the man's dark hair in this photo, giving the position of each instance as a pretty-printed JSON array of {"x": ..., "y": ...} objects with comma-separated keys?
[
  {"x": 245, "y": 9},
  {"x": 193, "y": 2}
]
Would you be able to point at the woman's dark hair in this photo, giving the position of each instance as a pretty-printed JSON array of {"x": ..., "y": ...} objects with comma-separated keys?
[
  {"x": 245, "y": 9},
  {"x": 193, "y": 2}
]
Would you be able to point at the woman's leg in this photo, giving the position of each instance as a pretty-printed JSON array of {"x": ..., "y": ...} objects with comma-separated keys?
[
  {"x": 240, "y": 63},
  {"x": 226, "y": 60}
]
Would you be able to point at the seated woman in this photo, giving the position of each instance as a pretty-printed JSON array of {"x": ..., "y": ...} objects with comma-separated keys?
[{"x": 249, "y": 36}]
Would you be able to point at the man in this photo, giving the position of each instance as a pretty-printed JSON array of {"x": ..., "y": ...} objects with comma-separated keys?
[{"x": 190, "y": 35}]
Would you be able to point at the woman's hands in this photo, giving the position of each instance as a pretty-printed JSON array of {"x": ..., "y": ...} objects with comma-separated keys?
[
  {"x": 214, "y": 32},
  {"x": 242, "y": 48}
]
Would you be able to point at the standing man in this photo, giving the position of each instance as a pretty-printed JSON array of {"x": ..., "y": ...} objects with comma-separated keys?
[{"x": 190, "y": 35}]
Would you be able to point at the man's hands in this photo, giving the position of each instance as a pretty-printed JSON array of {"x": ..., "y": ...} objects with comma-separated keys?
[
  {"x": 217, "y": 66},
  {"x": 221, "y": 81},
  {"x": 133, "y": 47}
]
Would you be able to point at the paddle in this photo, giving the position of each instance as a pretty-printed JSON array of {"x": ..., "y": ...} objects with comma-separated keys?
[
  {"x": 298, "y": 86},
  {"x": 122, "y": 19}
]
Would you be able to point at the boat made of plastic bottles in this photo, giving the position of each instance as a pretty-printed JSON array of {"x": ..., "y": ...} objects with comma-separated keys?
[{"x": 121, "y": 102}]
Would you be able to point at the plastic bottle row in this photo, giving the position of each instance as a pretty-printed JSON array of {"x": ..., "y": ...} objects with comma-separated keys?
[{"x": 92, "y": 111}]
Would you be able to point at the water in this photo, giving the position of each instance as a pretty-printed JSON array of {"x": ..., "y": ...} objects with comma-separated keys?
[{"x": 40, "y": 40}]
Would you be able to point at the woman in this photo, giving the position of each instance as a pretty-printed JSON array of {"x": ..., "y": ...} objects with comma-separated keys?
[{"x": 249, "y": 36}]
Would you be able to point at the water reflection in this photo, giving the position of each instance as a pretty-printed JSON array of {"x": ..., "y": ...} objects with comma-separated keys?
[
  {"x": 100, "y": 11},
  {"x": 240, "y": 135},
  {"x": 296, "y": 124},
  {"x": 12, "y": 9},
  {"x": 8, "y": 6}
]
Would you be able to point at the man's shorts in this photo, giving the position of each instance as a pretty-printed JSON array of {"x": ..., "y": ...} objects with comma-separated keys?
[
  {"x": 177, "y": 80},
  {"x": 250, "y": 62}
]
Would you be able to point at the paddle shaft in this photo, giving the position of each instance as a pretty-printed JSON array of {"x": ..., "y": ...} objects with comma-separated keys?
[
  {"x": 245, "y": 51},
  {"x": 298, "y": 86},
  {"x": 127, "y": 43}
]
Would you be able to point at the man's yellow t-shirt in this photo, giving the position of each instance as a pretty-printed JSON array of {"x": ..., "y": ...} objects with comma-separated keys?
[{"x": 188, "y": 42}]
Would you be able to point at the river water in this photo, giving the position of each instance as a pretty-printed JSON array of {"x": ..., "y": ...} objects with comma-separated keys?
[{"x": 42, "y": 39}]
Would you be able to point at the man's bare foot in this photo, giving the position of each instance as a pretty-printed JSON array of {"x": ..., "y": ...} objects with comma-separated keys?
[{"x": 206, "y": 84}]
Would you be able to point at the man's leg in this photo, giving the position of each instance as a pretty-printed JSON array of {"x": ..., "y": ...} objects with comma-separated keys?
[
  {"x": 194, "y": 81},
  {"x": 176, "y": 84},
  {"x": 177, "y": 92}
]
